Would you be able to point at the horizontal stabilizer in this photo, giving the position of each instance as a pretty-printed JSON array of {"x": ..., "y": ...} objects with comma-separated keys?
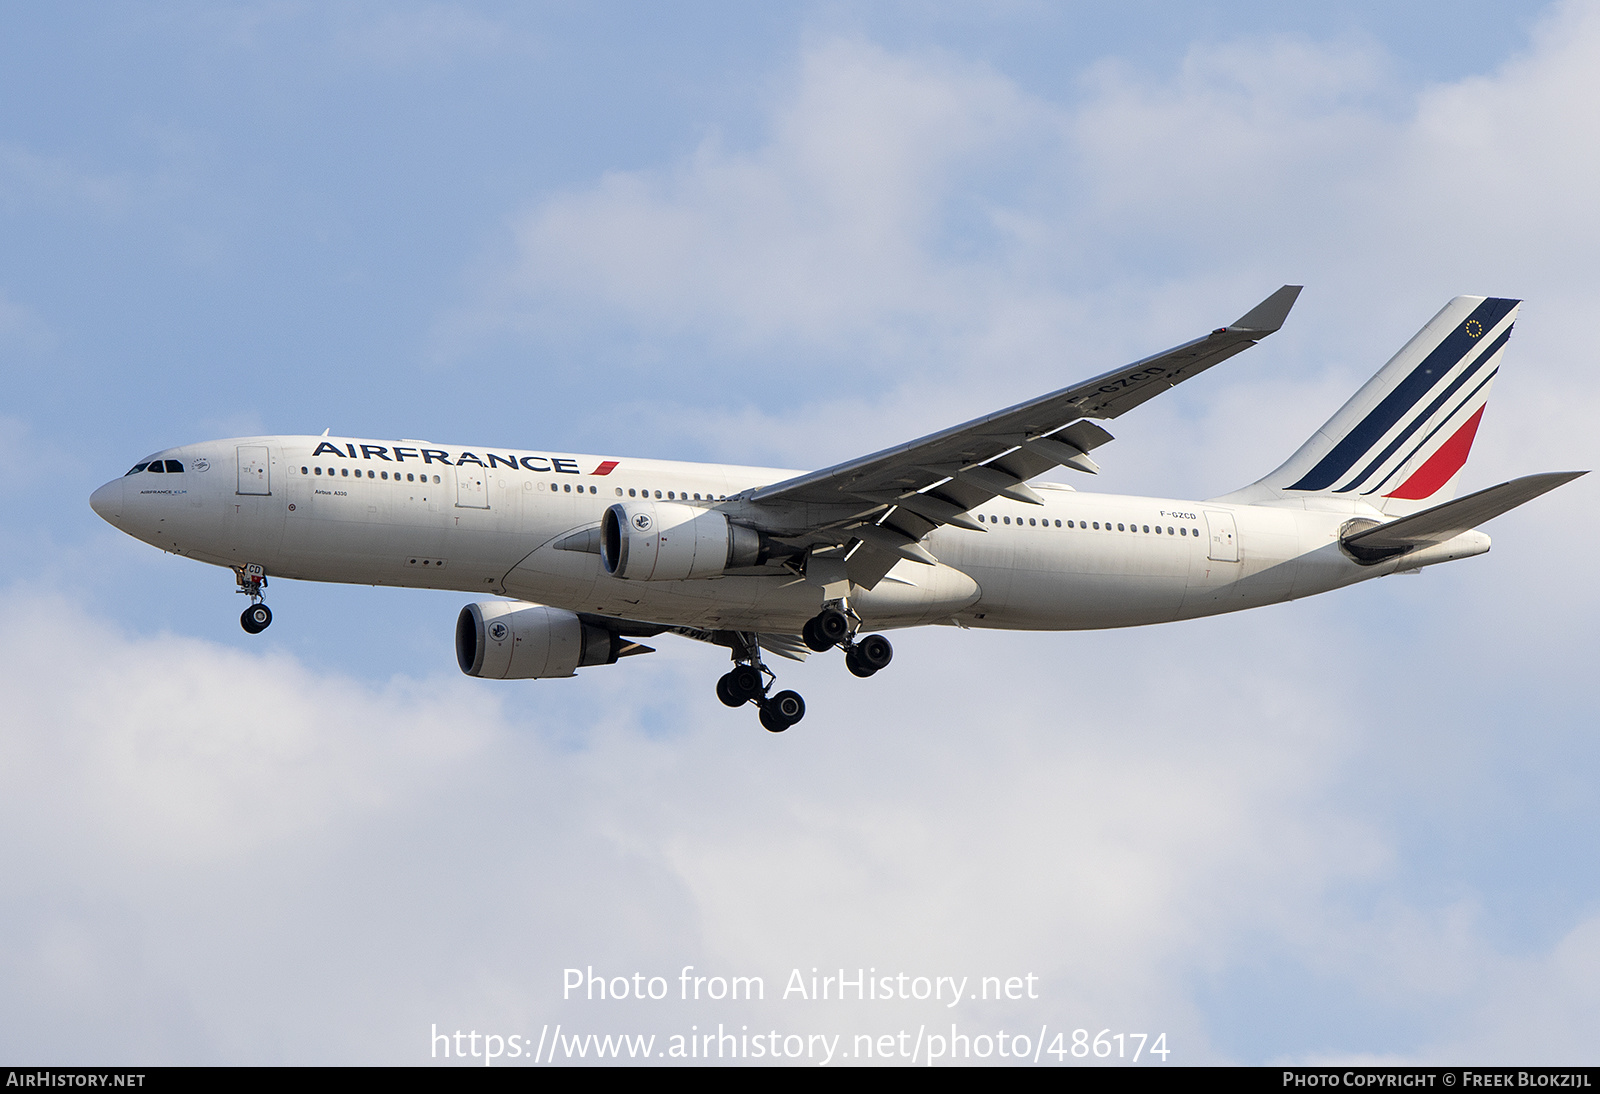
[{"x": 1445, "y": 522}]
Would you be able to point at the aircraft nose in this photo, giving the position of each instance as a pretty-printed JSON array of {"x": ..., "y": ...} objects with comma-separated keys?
[{"x": 107, "y": 501}]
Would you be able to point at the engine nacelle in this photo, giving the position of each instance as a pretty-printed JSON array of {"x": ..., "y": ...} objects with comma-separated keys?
[
  {"x": 656, "y": 541},
  {"x": 505, "y": 640}
]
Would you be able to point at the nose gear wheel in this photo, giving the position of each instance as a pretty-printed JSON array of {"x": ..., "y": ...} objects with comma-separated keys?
[{"x": 252, "y": 579}]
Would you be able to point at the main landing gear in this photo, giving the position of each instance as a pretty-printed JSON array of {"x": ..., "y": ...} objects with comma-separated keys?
[
  {"x": 749, "y": 682},
  {"x": 837, "y": 627},
  {"x": 252, "y": 579}
]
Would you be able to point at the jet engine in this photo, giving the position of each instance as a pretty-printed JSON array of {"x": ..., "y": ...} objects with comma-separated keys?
[
  {"x": 506, "y": 640},
  {"x": 656, "y": 541}
]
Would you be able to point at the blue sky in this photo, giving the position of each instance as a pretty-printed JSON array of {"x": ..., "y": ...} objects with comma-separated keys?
[{"x": 1350, "y": 828}]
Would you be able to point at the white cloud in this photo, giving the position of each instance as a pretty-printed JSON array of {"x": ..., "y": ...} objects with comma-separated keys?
[
  {"x": 821, "y": 233},
  {"x": 296, "y": 866},
  {"x": 920, "y": 237}
]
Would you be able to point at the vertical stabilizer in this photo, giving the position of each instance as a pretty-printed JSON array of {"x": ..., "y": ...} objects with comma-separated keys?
[{"x": 1401, "y": 441}]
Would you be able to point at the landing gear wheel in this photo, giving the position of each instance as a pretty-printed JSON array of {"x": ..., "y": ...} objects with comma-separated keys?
[
  {"x": 875, "y": 652},
  {"x": 826, "y": 629},
  {"x": 256, "y": 618},
  {"x": 741, "y": 685},
  {"x": 788, "y": 705},
  {"x": 782, "y": 711},
  {"x": 853, "y": 662},
  {"x": 814, "y": 641}
]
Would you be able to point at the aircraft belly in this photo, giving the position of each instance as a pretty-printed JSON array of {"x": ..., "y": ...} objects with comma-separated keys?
[{"x": 1083, "y": 582}]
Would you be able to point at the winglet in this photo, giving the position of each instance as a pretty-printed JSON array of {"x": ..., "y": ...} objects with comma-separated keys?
[{"x": 1269, "y": 315}]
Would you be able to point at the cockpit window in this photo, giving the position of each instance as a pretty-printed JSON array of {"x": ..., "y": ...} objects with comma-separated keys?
[
  {"x": 138, "y": 467},
  {"x": 174, "y": 467},
  {"x": 155, "y": 466}
]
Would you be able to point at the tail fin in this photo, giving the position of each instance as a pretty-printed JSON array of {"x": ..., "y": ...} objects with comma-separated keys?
[{"x": 1400, "y": 442}]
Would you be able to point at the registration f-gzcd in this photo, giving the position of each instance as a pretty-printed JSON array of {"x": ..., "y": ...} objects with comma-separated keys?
[{"x": 599, "y": 552}]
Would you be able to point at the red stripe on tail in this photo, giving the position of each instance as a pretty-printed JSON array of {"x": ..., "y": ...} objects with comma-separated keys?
[{"x": 1442, "y": 465}]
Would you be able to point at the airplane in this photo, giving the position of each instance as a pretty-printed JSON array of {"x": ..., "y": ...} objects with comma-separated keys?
[{"x": 595, "y": 553}]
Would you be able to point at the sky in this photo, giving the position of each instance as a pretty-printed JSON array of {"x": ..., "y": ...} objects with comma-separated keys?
[{"x": 1357, "y": 828}]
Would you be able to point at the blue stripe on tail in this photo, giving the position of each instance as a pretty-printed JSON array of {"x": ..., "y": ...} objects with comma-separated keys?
[
  {"x": 1416, "y": 423},
  {"x": 1406, "y": 395}
]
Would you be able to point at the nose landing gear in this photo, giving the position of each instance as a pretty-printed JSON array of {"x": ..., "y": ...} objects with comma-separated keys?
[
  {"x": 750, "y": 680},
  {"x": 252, "y": 579}
]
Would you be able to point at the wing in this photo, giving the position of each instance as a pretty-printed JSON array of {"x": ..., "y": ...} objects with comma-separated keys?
[{"x": 876, "y": 509}]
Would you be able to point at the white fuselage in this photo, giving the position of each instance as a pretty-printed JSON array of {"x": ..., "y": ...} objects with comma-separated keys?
[{"x": 482, "y": 521}]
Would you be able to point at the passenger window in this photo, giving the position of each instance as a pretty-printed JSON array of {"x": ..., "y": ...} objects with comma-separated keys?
[
  {"x": 1147, "y": 529},
  {"x": 409, "y": 478},
  {"x": 1006, "y": 519},
  {"x": 630, "y": 492},
  {"x": 1158, "y": 529},
  {"x": 671, "y": 496},
  {"x": 305, "y": 471},
  {"x": 1120, "y": 528},
  {"x": 1032, "y": 523},
  {"x": 345, "y": 471},
  {"x": 319, "y": 470},
  {"x": 658, "y": 494}
]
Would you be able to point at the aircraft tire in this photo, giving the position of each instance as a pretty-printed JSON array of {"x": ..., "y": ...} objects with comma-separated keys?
[
  {"x": 832, "y": 625},
  {"x": 744, "y": 684},
  {"x": 787, "y": 707},
  {"x": 856, "y": 666},
  {"x": 256, "y": 618},
  {"x": 725, "y": 691},
  {"x": 814, "y": 641},
  {"x": 771, "y": 722},
  {"x": 875, "y": 652}
]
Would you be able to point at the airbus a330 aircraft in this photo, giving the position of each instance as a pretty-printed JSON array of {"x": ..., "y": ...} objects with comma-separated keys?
[{"x": 600, "y": 551}]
